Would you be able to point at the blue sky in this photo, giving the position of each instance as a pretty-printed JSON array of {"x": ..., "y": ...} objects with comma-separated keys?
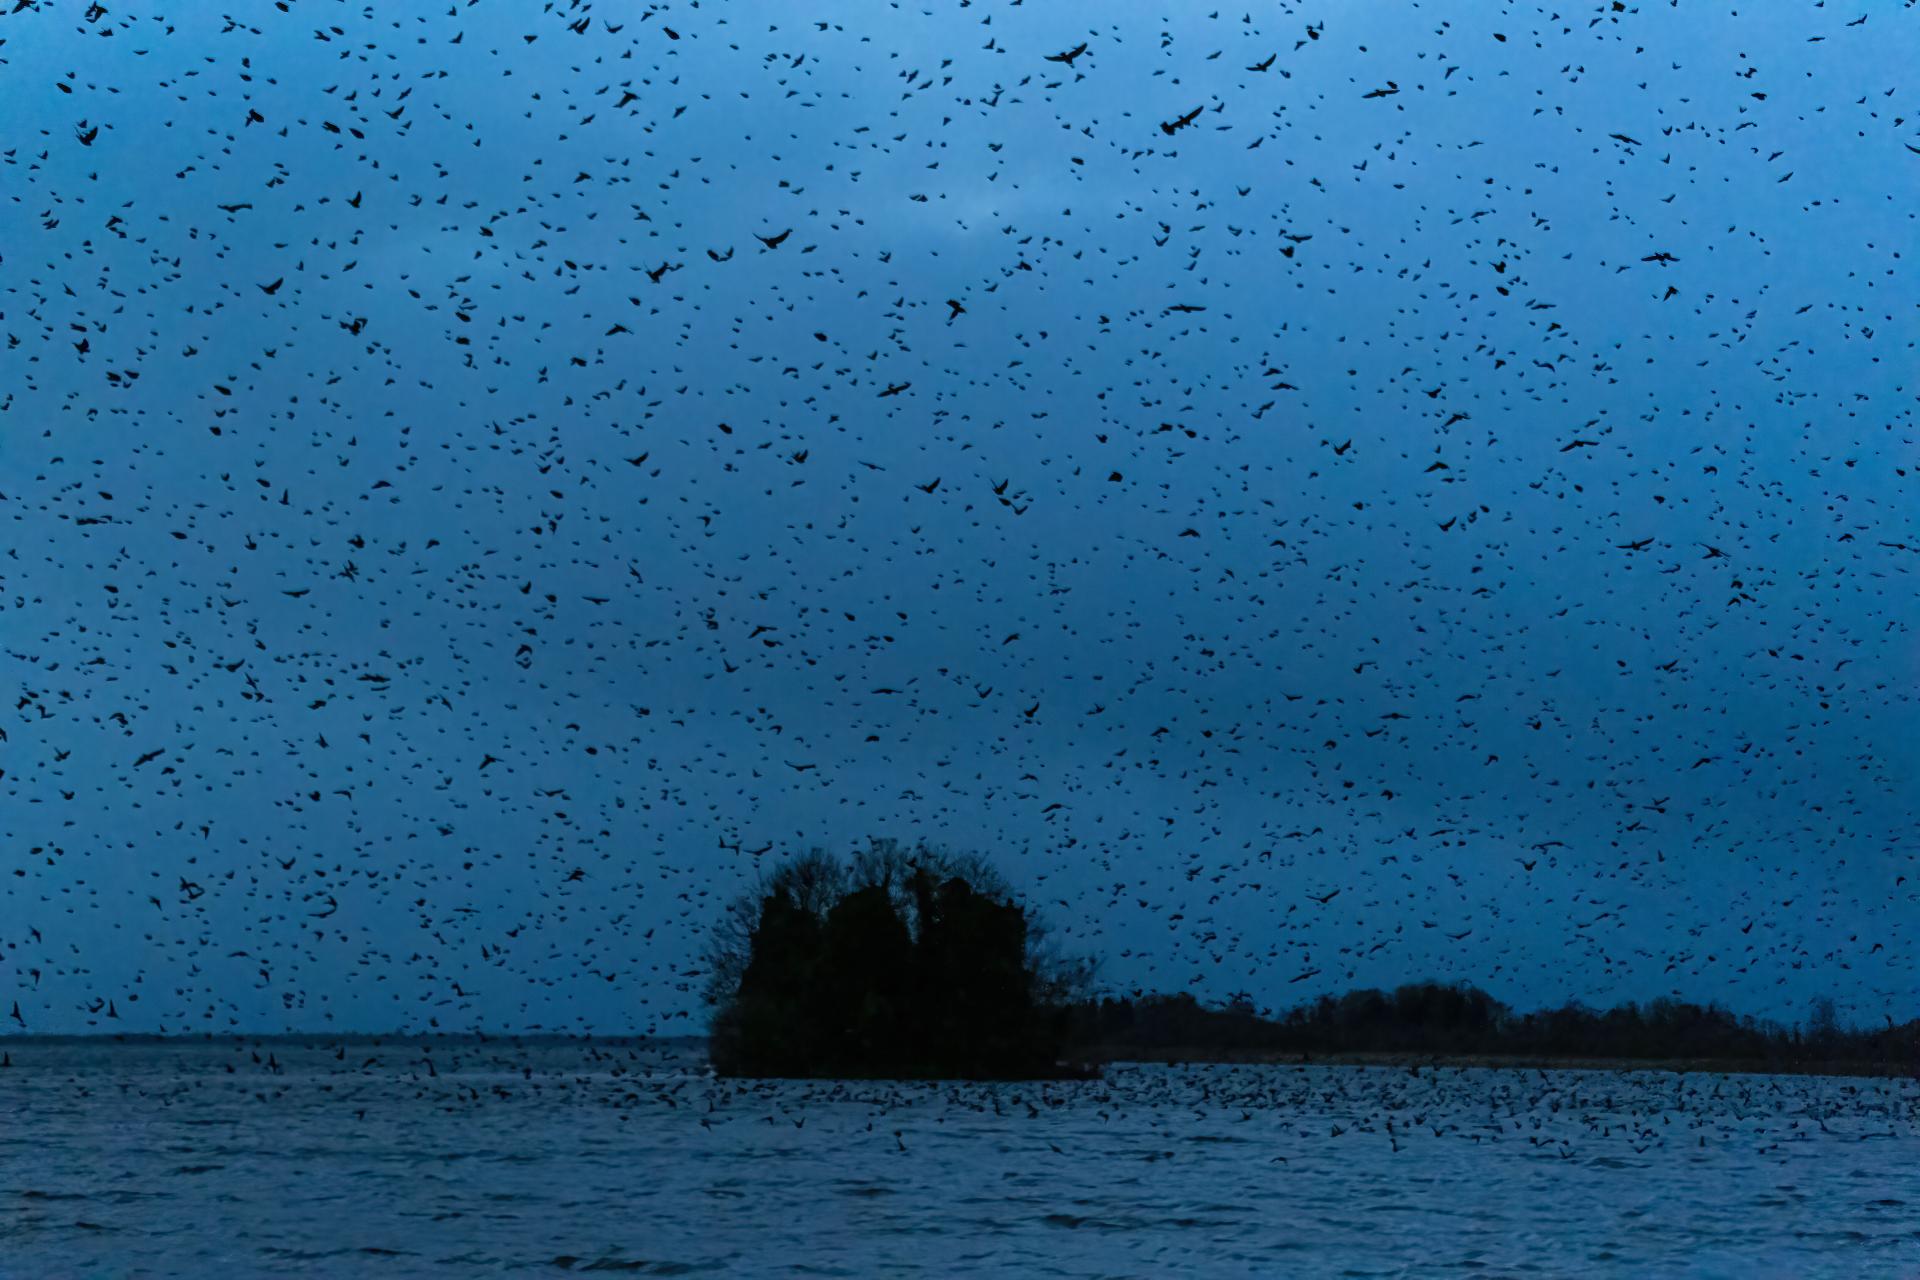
[{"x": 1549, "y": 599}]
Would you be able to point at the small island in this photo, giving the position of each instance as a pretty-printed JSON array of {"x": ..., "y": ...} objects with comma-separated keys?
[{"x": 914, "y": 963}]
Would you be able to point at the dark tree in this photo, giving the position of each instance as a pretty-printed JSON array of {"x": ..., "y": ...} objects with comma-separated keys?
[{"x": 908, "y": 962}]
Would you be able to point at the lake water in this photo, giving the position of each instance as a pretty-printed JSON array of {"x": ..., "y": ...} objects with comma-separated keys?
[{"x": 402, "y": 1158}]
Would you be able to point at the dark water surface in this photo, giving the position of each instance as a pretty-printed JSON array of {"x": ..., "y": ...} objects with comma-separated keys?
[{"x": 409, "y": 1158}]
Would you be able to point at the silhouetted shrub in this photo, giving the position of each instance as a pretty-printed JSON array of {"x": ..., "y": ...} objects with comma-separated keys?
[{"x": 905, "y": 962}]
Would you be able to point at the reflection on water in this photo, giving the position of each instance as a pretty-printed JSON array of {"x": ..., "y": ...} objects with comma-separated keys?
[{"x": 403, "y": 1158}]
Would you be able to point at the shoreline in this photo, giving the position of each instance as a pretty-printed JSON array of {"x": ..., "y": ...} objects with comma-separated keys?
[
  {"x": 1105, "y": 1055},
  {"x": 1492, "y": 1062},
  {"x": 1073, "y": 1063}
]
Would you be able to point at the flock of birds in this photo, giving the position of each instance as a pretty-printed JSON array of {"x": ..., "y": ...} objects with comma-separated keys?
[
  {"x": 653, "y": 1080},
  {"x": 462, "y": 1154},
  {"x": 1322, "y": 498},
  {"x": 663, "y": 1085}
]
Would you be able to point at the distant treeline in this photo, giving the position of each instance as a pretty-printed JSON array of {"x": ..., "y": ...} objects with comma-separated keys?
[
  {"x": 1458, "y": 1020},
  {"x": 914, "y": 962}
]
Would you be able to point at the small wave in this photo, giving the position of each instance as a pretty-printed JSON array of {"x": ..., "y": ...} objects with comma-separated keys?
[
  {"x": 865, "y": 1189},
  {"x": 573, "y": 1262}
]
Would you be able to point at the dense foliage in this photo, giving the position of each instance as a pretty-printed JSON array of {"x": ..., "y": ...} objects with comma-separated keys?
[{"x": 900, "y": 963}]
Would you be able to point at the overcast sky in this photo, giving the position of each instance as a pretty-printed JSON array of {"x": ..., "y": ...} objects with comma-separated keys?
[{"x": 1470, "y": 466}]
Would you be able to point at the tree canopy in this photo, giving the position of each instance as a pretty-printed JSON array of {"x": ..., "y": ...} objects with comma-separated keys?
[{"x": 900, "y": 961}]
